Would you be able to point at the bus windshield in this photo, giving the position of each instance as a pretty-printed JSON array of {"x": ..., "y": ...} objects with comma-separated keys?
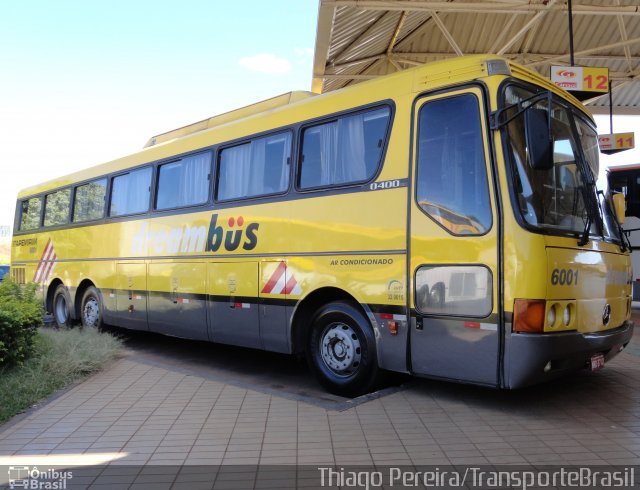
[{"x": 558, "y": 199}]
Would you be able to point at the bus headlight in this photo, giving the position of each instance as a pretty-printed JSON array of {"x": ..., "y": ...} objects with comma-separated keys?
[
  {"x": 566, "y": 315},
  {"x": 551, "y": 316}
]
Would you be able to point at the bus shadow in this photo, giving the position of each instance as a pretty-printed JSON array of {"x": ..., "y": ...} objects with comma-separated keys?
[
  {"x": 276, "y": 374},
  {"x": 288, "y": 377},
  {"x": 610, "y": 393}
]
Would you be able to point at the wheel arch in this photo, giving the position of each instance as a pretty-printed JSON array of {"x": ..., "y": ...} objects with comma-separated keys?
[
  {"x": 77, "y": 300},
  {"x": 51, "y": 289},
  {"x": 304, "y": 310}
]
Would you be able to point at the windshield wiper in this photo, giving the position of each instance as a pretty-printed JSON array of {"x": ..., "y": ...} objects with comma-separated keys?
[
  {"x": 584, "y": 238},
  {"x": 592, "y": 206}
]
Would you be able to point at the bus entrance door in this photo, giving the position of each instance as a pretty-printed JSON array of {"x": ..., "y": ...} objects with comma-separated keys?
[{"x": 453, "y": 247}]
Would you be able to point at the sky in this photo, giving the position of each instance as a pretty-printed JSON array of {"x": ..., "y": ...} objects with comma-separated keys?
[{"x": 85, "y": 82}]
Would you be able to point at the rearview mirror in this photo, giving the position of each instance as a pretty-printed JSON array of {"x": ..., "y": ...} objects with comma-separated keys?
[
  {"x": 538, "y": 138},
  {"x": 619, "y": 205}
]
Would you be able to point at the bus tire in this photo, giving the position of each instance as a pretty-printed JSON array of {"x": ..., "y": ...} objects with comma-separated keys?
[
  {"x": 91, "y": 309},
  {"x": 61, "y": 307},
  {"x": 341, "y": 350}
]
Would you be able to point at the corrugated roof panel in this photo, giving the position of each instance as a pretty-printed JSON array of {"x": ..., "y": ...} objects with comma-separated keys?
[
  {"x": 348, "y": 25},
  {"x": 363, "y": 30},
  {"x": 377, "y": 40}
]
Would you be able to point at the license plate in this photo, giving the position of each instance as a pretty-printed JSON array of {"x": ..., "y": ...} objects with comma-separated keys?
[{"x": 597, "y": 362}]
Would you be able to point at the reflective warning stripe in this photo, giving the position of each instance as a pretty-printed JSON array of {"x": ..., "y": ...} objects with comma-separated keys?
[
  {"x": 275, "y": 277},
  {"x": 279, "y": 284},
  {"x": 46, "y": 264},
  {"x": 481, "y": 326}
]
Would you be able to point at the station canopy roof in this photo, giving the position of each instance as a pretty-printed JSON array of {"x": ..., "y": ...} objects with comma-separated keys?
[{"x": 362, "y": 39}]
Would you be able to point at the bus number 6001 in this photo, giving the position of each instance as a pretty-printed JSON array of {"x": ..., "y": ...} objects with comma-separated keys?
[{"x": 564, "y": 277}]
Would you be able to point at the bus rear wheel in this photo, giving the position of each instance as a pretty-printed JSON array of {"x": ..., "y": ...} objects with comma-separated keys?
[
  {"x": 341, "y": 350},
  {"x": 61, "y": 307},
  {"x": 91, "y": 309}
]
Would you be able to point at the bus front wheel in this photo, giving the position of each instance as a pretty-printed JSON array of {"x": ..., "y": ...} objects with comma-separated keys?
[
  {"x": 91, "y": 310},
  {"x": 342, "y": 350},
  {"x": 61, "y": 307}
]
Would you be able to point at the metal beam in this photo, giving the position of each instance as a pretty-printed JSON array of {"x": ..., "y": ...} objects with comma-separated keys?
[
  {"x": 536, "y": 18},
  {"x": 485, "y": 7},
  {"x": 396, "y": 33},
  {"x": 395, "y": 64},
  {"x": 503, "y": 33},
  {"x": 624, "y": 37},
  {"x": 635, "y": 40},
  {"x": 328, "y": 76},
  {"x": 446, "y": 33},
  {"x": 408, "y": 62},
  {"x": 359, "y": 61}
]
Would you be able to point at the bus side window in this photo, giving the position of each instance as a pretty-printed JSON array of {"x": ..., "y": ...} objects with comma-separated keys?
[
  {"x": 30, "y": 214},
  {"x": 130, "y": 192},
  {"x": 257, "y": 168},
  {"x": 56, "y": 207},
  {"x": 185, "y": 182},
  {"x": 344, "y": 151},
  {"x": 89, "y": 202}
]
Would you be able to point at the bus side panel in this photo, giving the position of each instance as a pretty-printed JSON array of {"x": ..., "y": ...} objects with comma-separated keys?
[
  {"x": 131, "y": 295},
  {"x": 277, "y": 284},
  {"x": 376, "y": 281},
  {"x": 177, "y": 303},
  {"x": 233, "y": 312}
]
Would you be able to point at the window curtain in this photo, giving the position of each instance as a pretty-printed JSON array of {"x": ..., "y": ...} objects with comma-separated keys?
[
  {"x": 276, "y": 164},
  {"x": 131, "y": 193},
  {"x": 234, "y": 171},
  {"x": 342, "y": 151},
  {"x": 328, "y": 153},
  {"x": 284, "y": 164},
  {"x": 255, "y": 182},
  {"x": 244, "y": 169},
  {"x": 351, "y": 164},
  {"x": 194, "y": 180}
]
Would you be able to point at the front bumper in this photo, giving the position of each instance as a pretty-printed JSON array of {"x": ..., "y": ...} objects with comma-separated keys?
[{"x": 527, "y": 355}]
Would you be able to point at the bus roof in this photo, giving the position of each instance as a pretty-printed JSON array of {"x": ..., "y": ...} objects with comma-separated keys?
[
  {"x": 194, "y": 136},
  {"x": 212, "y": 122}
]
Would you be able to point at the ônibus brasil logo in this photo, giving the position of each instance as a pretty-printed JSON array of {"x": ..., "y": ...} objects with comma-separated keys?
[{"x": 234, "y": 234}]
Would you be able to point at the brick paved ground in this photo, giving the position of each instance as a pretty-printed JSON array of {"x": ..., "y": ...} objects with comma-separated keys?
[{"x": 140, "y": 413}]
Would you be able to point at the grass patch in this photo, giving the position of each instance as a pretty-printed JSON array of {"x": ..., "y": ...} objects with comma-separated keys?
[{"x": 60, "y": 358}]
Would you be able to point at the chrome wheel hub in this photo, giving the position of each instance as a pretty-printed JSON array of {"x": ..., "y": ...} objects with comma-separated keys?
[
  {"x": 91, "y": 312},
  {"x": 340, "y": 349}
]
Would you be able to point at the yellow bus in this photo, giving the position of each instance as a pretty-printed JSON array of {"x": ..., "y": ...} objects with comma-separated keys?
[{"x": 442, "y": 221}]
